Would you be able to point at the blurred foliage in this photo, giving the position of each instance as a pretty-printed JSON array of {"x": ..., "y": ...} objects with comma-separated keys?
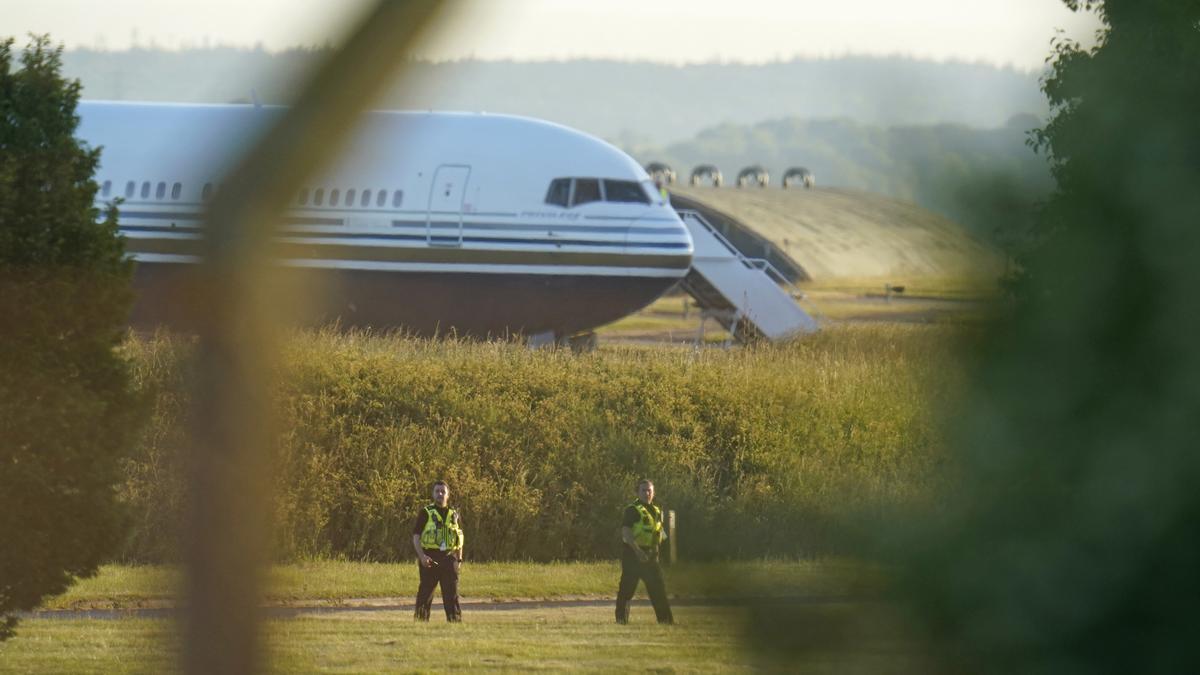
[
  {"x": 67, "y": 408},
  {"x": 542, "y": 448},
  {"x": 1070, "y": 543}
]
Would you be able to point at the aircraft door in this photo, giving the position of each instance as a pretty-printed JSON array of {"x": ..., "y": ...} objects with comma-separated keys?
[{"x": 444, "y": 217}]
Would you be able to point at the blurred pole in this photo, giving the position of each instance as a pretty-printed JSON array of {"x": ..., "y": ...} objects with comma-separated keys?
[
  {"x": 236, "y": 314},
  {"x": 671, "y": 536}
]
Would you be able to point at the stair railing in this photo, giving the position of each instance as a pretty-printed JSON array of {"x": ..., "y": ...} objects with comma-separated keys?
[{"x": 761, "y": 264}]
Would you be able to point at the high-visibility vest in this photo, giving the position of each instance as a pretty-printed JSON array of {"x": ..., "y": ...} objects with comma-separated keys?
[
  {"x": 648, "y": 530},
  {"x": 445, "y": 535}
]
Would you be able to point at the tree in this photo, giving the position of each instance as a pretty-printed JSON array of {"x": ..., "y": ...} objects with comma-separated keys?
[
  {"x": 68, "y": 410},
  {"x": 1070, "y": 544}
]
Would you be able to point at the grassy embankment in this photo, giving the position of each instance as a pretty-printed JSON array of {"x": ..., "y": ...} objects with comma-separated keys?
[
  {"x": 852, "y": 238},
  {"x": 677, "y": 319},
  {"x": 542, "y": 448}
]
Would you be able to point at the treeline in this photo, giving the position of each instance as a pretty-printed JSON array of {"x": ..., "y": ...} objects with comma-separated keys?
[
  {"x": 760, "y": 451},
  {"x": 986, "y": 179},
  {"x": 627, "y": 102}
]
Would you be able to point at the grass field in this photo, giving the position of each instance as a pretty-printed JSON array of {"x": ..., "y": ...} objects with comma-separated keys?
[
  {"x": 318, "y": 582},
  {"x": 672, "y": 318},
  {"x": 926, "y": 287},
  {"x": 676, "y": 319},
  {"x": 859, "y": 633},
  {"x": 874, "y": 306},
  {"x": 704, "y": 639}
]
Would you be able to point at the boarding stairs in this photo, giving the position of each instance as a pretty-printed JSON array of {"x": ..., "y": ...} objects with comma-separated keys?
[{"x": 747, "y": 296}]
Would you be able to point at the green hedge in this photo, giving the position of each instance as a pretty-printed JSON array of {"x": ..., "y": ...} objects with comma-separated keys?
[{"x": 760, "y": 451}]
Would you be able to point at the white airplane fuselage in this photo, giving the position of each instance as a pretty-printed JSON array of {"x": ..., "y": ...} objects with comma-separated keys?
[{"x": 437, "y": 223}]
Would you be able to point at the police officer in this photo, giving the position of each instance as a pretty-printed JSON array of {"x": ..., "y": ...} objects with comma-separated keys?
[
  {"x": 641, "y": 533},
  {"x": 438, "y": 540}
]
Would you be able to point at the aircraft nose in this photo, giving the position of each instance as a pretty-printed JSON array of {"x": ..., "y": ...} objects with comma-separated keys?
[
  {"x": 663, "y": 235},
  {"x": 684, "y": 233}
]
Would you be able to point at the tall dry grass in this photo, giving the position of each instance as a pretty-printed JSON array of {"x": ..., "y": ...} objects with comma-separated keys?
[{"x": 761, "y": 451}]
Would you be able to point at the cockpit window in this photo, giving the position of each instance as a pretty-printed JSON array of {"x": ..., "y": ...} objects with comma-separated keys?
[
  {"x": 575, "y": 191},
  {"x": 559, "y": 192},
  {"x": 624, "y": 191},
  {"x": 586, "y": 190}
]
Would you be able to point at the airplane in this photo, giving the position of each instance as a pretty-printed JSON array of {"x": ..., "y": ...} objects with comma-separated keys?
[{"x": 436, "y": 223}]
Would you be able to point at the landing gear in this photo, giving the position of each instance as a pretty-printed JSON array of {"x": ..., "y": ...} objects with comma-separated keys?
[
  {"x": 583, "y": 342},
  {"x": 578, "y": 343}
]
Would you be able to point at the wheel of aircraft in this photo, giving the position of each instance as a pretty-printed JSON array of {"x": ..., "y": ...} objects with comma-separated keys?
[{"x": 584, "y": 342}]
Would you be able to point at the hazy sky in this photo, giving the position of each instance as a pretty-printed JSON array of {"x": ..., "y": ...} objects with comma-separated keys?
[{"x": 1004, "y": 32}]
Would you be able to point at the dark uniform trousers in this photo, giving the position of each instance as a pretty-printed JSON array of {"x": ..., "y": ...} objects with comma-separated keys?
[
  {"x": 634, "y": 570},
  {"x": 443, "y": 572}
]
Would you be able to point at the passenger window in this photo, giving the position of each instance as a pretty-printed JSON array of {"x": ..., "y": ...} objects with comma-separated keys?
[
  {"x": 586, "y": 190},
  {"x": 333, "y": 196},
  {"x": 319, "y": 196},
  {"x": 397, "y": 198},
  {"x": 303, "y": 196},
  {"x": 106, "y": 189},
  {"x": 366, "y": 198},
  {"x": 381, "y": 198},
  {"x": 350, "y": 197},
  {"x": 129, "y": 188},
  {"x": 559, "y": 193},
  {"x": 624, "y": 191},
  {"x": 146, "y": 190},
  {"x": 176, "y": 190},
  {"x": 206, "y": 192},
  {"x": 161, "y": 190}
]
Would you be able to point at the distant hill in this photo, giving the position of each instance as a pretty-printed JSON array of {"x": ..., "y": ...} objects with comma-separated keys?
[
  {"x": 626, "y": 102},
  {"x": 838, "y": 234}
]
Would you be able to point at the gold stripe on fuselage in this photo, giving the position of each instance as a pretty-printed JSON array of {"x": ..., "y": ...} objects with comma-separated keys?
[{"x": 423, "y": 254}]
